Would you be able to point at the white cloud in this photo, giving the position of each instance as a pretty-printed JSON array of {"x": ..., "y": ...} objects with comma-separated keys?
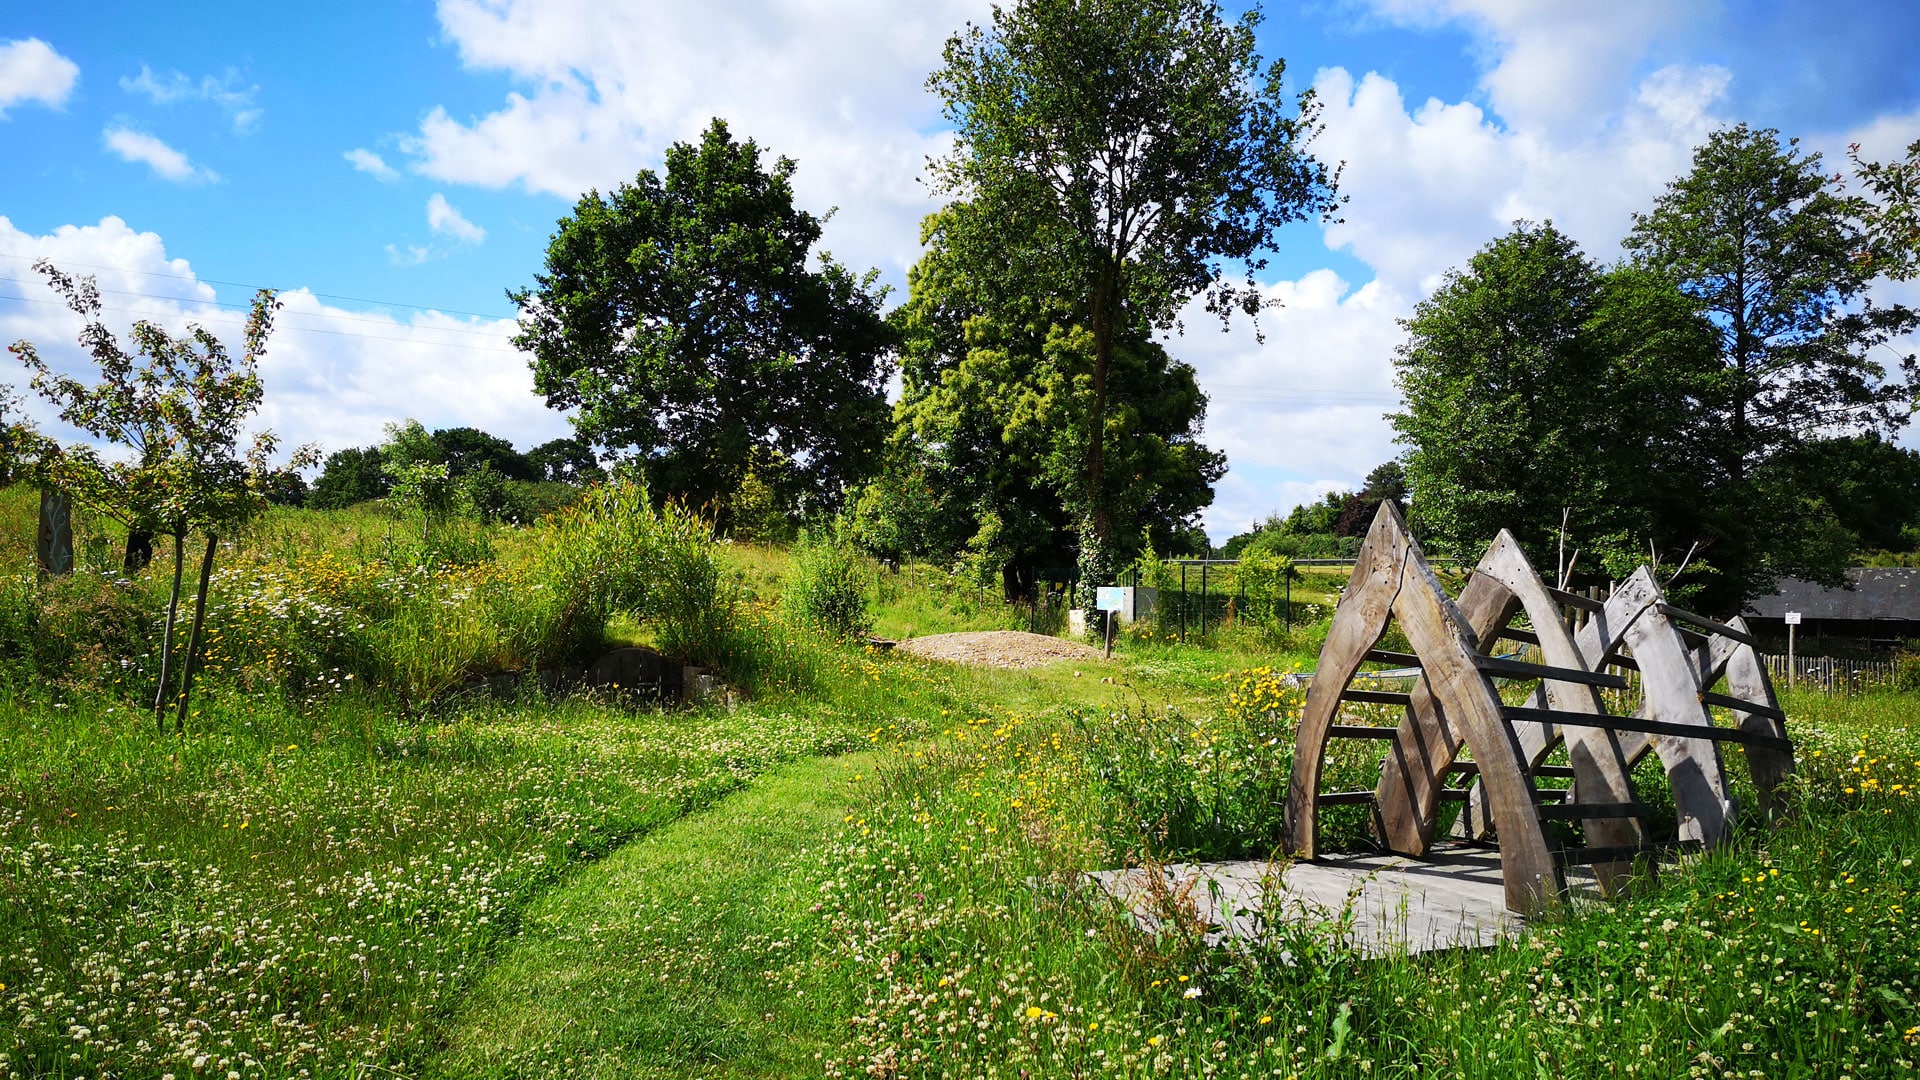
[
  {"x": 333, "y": 375},
  {"x": 236, "y": 100},
  {"x": 444, "y": 220},
  {"x": 143, "y": 149},
  {"x": 1556, "y": 67},
  {"x": 31, "y": 70},
  {"x": 373, "y": 164},
  {"x": 836, "y": 86}
]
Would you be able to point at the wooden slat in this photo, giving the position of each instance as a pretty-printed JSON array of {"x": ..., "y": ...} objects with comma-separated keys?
[
  {"x": 1739, "y": 705},
  {"x": 1518, "y": 669},
  {"x": 1377, "y": 697},
  {"x": 1558, "y": 772},
  {"x": 1345, "y": 798},
  {"x": 1361, "y": 731},
  {"x": 1568, "y": 599},
  {"x": 1650, "y": 727},
  {"x": 1397, "y": 659},
  {"x": 1580, "y": 811},
  {"x": 1587, "y": 855},
  {"x": 1708, "y": 625},
  {"x": 1524, "y": 637}
]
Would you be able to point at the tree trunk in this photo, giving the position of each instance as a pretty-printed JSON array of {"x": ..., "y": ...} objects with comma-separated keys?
[
  {"x": 139, "y": 550},
  {"x": 193, "y": 638},
  {"x": 1096, "y": 529},
  {"x": 166, "y": 635}
]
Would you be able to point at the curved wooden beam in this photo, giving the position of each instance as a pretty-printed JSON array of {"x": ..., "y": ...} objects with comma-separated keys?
[
  {"x": 1601, "y": 771},
  {"x": 1747, "y": 680},
  {"x": 1670, "y": 687},
  {"x": 1393, "y": 580}
]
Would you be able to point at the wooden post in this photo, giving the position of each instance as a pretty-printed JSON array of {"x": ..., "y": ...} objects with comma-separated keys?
[{"x": 1109, "y": 654}]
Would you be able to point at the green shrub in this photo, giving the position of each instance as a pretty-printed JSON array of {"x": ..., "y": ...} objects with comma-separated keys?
[
  {"x": 825, "y": 588},
  {"x": 612, "y": 552}
]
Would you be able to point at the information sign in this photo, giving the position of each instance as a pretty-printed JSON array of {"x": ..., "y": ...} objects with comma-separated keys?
[
  {"x": 1793, "y": 618},
  {"x": 1110, "y": 598}
]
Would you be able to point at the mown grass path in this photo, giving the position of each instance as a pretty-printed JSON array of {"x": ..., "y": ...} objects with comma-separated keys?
[{"x": 655, "y": 961}]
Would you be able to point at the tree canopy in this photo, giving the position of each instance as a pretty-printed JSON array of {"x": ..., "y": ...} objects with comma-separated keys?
[
  {"x": 1111, "y": 159},
  {"x": 679, "y": 316},
  {"x": 1680, "y": 406},
  {"x": 991, "y": 429}
]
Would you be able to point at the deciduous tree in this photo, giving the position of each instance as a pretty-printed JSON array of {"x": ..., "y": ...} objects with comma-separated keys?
[
  {"x": 178, "y": 405},
  {"x": 678, "y": 314},
  {"x": 1118, "y": 157}
]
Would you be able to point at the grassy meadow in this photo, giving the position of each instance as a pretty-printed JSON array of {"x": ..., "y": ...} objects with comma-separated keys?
[{"x": 370, "y": 855}]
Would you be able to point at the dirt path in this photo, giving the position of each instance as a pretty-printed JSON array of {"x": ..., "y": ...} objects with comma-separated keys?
[{"x": 999, "y": 648}]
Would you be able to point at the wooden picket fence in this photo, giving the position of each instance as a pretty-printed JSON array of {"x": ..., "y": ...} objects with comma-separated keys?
[{"x": 1832, "y": 675}]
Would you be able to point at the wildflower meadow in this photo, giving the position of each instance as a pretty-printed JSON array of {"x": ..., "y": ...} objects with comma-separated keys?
[{"x": 386, "y": 845}]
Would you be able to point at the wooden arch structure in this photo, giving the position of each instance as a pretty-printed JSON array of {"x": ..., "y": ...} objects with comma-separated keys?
[{"x": 1455, "y": 705}]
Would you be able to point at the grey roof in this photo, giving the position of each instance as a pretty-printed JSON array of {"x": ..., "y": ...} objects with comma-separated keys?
[{"x": 1876, "y": 593}]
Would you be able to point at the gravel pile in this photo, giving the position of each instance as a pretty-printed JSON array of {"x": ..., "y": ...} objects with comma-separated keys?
[{"x": 999, "y": 648}]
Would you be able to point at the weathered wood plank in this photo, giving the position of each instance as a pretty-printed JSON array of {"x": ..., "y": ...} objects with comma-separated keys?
[
  {"x": 1361, "y": 731},
  {"x": 1595, "y": 811},
  {"x": 1650, "y": 727},
  {"x": 1711, "y": 626},
  {"x": 1601, "y": 769},
  {"x": 1574, "y": 600},
  {"x": 1378, "y": 697},
  {"x": 1520, "y": 669},
  {"x": 1741, "y": 705},
  {"x": 1397, "y": 659},
  {"x": 1747, "y": 678},
  {"x": 1358, "y": 622}
]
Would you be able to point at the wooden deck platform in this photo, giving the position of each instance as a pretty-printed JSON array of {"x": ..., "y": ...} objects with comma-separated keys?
[{"x": 1378, "y": 904}]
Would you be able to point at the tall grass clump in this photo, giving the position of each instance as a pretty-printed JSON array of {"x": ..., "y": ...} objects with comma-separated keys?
[
  {"x": 613, "y": 551},
  {"x": 825, "y": 588}
]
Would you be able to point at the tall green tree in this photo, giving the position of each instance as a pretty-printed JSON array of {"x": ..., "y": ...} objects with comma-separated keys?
[
  {"x": 1772, "y": 247},
  {"x": 1780, "y": 258},
  {"x": 352, "y": 475},
  {"x": 1543, "y": 391},
  {"x": 1119, "y": 156},
  {"x": 678, "y": 314},
  {"x": 992, "y": 426}
]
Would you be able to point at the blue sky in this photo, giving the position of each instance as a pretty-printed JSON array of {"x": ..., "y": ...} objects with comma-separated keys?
[{"x": 400, "y": 165}]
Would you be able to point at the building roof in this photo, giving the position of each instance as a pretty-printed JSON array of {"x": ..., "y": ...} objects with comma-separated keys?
[{"x": 1883, "y": 593}]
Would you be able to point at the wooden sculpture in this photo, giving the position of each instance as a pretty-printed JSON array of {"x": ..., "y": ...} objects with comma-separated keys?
[{"x": 1455, "y": 704}]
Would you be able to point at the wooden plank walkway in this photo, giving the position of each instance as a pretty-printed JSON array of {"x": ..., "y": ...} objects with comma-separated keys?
[{"x": 1392, "y": 905}]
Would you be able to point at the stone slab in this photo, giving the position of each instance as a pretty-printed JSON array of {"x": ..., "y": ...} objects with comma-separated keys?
[{"x": 1377, "y": 904}]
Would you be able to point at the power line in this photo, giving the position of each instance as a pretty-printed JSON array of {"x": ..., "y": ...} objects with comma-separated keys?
[
  {"x": 288, "y": 329},
  {"x": 294, "y": 314},
  {"x": 245, "y": 285}
]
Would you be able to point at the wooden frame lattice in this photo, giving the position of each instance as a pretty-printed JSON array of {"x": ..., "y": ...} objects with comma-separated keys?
[{"x": 1454, "y": 705}]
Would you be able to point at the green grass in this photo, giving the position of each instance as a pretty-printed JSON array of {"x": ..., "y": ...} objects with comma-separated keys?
[
  {"x": 668, "y": 959},
  {"x": 866, "y": 868}
]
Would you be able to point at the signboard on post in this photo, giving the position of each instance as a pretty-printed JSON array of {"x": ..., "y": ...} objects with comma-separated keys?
[
  {"x": 1110, "y": 598},
  {"x": 1792, "y": 620}
]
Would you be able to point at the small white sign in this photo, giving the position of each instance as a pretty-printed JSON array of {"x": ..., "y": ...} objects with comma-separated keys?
[
  {"x": 1110, "y": 598},
  {"x": 1793, "y": 618}
]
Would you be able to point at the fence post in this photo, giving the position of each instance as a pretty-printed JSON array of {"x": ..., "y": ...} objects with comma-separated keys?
[
  {"x": 1183, "y": 602},
  {"x": 1203, "y": 600}
]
